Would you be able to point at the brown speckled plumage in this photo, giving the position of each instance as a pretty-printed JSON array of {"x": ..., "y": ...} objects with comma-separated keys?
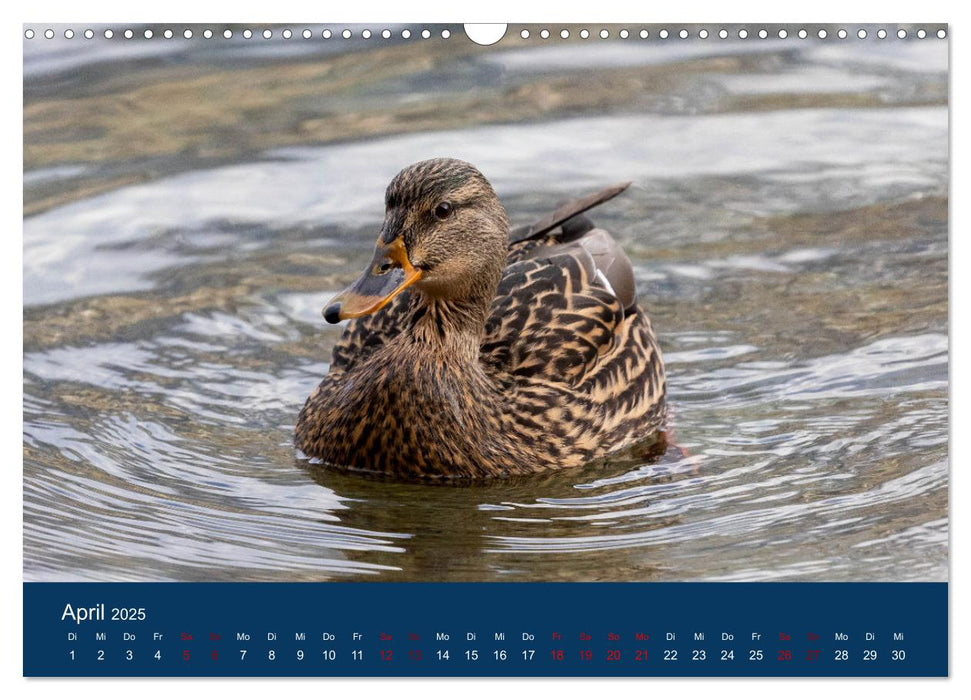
[{"x": 512, "y": 353}]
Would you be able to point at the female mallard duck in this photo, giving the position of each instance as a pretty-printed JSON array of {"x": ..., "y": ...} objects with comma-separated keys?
[{"x": 484, "y": 353}]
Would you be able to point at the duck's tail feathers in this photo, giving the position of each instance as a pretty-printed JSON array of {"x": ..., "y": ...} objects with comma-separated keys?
[{"x": 565, "y": 212}]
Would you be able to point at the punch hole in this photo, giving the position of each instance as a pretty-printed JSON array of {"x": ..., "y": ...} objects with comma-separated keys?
[
  {"x": 366, "y": 34},
  {"x": 168, "y": 34},
  {"x": 386, "y": 34},
  {"x": 425, "y": 34},
  {"x": 446, "y": 34},
  {"x": 68, "y": 33},
  {"x": 346, "y": 33},
  {"x": 683, "y": 34},
  {"x": 287, "y": 34},
  {"x": 703, "y": 34},
  {"x": 624, "y": 33},
  {"x": 604, "y": 34},
  {"x": 148, "y": 34},
  {"x": 803, "y": 33},
  {"x": 88, "y": 34},
  {"x": 565, "y": 34},
  {"x": 921, "y": 34},
  {"x": 29, "y": 34},
  {"x": 902, "y": 34},
  {"x": 405, "y": 33},
  {"x": 187, "y": 33},
  {"x": 524, "y": 34},
  {"x": 545, "y": 34},
  {"x": 109, "y": 33},
  {"x": 49, "y": 34},
  {"x": 882, "y": 34},
  {"x": 723, "y": 34},
  {"x": 821, "y": 33},
  {"x": 267, "y": 33},
  {"x": 326, "y": 34},
  {"x": 783, "y": 33},
  {"x": 841, "y": 33},
  {"x": 584, "y": 34},
  {"x": 663, "y": 33},
  {"x": 207, "y": 34},
  {"x": 763, "y": 34},
  {"x": 129, "y": 34},
  {"x": 644, "y": 34},
  {"x": 861, "y": 34},
  {"x": 941, "y": 34},
  {"x": 247, "y": 34},
  {"x": 488, "y": 34},
  {"x": 743, "y": 34},
  {"x": 307, "y": 34}
]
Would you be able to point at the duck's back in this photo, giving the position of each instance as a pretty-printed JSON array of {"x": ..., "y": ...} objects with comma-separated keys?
[{"x": 566, "y": 329}]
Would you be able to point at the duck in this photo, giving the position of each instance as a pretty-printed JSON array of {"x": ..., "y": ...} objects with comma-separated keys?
[{"x": 476, "y": 351}]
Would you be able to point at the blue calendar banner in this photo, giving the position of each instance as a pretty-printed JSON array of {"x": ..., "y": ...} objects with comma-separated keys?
[{"x": 485, "y": 629}]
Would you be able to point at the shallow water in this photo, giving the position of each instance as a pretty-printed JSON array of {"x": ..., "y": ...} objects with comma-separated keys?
[{"x": 189, "y": 210}]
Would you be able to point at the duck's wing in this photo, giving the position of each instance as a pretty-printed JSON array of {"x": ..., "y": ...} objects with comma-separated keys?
[
  {"x": 566, "y": 316},
  {"x": 567, "y": 231},
  {"x": 550, "y": 319},
  {"x": 564, "y": 343}
]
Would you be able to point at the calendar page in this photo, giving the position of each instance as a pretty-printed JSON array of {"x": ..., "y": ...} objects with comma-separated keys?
[{"x": 485, "y": 350}]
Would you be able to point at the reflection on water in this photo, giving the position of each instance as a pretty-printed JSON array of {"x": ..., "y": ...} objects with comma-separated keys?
[{"x": 189, "y": 210}]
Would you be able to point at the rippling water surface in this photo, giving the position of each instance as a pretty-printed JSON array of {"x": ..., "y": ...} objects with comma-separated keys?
[{"x": 189, "y": 207}]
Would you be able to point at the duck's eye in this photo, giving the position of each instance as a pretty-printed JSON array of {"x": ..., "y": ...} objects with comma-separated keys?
[
  {"x": 443, "y": 210},
  {"x": 381, "y": 269}
]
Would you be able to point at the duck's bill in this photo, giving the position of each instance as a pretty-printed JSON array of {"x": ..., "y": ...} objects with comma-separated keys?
[{"x": 374, "y": 290}]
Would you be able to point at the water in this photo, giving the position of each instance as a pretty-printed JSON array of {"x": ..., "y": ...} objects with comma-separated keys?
[{"x": 188, "y": 211}]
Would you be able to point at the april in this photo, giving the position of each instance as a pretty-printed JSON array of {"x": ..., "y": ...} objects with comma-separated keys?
[{"x": 79, "y": 615}]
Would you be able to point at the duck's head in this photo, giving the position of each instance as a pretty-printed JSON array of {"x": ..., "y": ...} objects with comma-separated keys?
[{"x": 444, "y": 232}]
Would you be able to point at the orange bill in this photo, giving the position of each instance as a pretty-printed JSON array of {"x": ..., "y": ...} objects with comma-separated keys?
[{"x": 389, "y": 274}]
